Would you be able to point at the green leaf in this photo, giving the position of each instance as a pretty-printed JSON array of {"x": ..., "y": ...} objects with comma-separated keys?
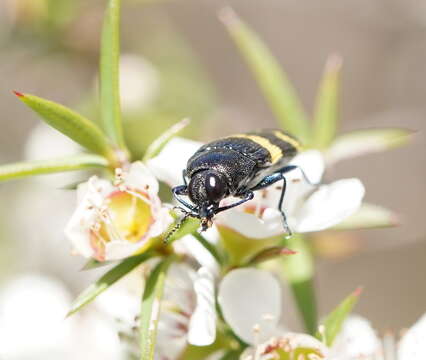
[
  {"x": 334, "y": 321},
  {"x": 69, "y": 163},
  {"x": 269, "y": 254},
  {"x": 95, "y": 264},
  {"x": 150, "y": 309},
  {"x": 326, "y": 111},
  {"x": 299, "y": 272},
  {"x": 109, "y": 74},
  {"x": 209, "y": 247},
  {"x": 361, "y": 142},
  {"x": 369, "y": 216},
  {"x": 113, "y": 275},
  {"x": 69, "y": 123},
  {"x": 276, "y": 87},
  {"x": 155, "y": 148}
]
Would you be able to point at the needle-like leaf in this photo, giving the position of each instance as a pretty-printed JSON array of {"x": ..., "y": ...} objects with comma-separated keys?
[
  {"x": 299, "y": 272},
  {"x": 113, "y": 275},
  {"x": 277, "y": 89},
  {"x": 155, "y": 148},
  {"x": 361, "y": 142},
  {"x": 334, "y": 321},
  {"x": 369, "y": 216},
  {"x": 150, "y": 309},
  {"x": 69, "y": 163},
  {"x": 326, "y": 111},
  {"x": 69, "y": 123},
  {"x": 109, "y": 74}
]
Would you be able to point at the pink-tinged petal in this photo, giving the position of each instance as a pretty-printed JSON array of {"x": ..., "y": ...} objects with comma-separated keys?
[
  {"x": 172, "y": 160},
  {"x": 329, "y": 205},
  {"x": 78, "y": 230},
  {"x": 356, "y": 340},
  {"x": 250, "y": 300},
  {"x": 412, "y": 345},
  {"x": 202, "y": 325}
]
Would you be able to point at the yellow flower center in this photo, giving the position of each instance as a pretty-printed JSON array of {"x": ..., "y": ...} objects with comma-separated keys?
[{"x": 126, "y": 217}]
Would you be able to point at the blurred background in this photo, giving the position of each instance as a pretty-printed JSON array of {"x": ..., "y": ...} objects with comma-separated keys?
[{"x": 178, "y": 61}]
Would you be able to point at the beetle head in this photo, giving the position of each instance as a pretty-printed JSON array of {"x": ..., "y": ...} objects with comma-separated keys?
[{"x": 206, "y": 189}]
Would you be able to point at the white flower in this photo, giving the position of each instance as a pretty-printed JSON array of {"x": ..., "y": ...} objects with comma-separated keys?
[
  {"x": 114, "y": 221},
  {"x": 359, "y": 341},
  {"x": 356, "y": 340},
  {"x": 250, "y": 300},
  {"x": 33, "y": 324},
  {"x": 187, "y": 315},
  {"x": 189, "y": 308},
  {"x": 307, "y": 208}
]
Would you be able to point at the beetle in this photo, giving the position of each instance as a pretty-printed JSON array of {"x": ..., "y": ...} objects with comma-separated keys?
[{"x": 236, "y": 166}]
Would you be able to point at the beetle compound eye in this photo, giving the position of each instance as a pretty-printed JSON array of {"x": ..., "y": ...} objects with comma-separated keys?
[{"x": 215, "y": 188}]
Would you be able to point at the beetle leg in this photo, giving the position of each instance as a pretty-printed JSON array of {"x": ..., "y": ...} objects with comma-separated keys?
[
  {"x": 182, "y": 190},
  {"x": 280, "y": 207},
  {"x": 248, "y": 196},
  {"x": 184, "y": 177},
  {"x": 289, "y": 168},
  {"x": 269, "y": 180}
]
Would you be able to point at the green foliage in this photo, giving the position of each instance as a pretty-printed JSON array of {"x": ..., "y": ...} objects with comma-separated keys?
[
  {"x": 150, "y": 309},
  {"x": 326, "y": 111},
  {"x": 277, "y": 89},
  {"x": 334, "y": 321},
  {"x": 157, "y": 145},
  {"x": 299, "y": 272},
  {"x": 212, "y": 249},
  {"x": 369, "y": 216},
  {"x": 361, "y": 142},
  {"x": 71, "y": 124},
  {"x": 68, "y": 163},
  {"x": 109, "y": 74},
  {"x": 112, "y": 276}
]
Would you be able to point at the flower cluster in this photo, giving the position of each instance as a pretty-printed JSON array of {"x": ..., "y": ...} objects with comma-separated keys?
[{"x": 175, "y": 292}]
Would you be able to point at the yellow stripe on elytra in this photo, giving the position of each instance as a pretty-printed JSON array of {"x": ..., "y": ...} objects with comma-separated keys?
[
  {"x": 274, "y": 150},
  {"x": 288, "y": 139}
]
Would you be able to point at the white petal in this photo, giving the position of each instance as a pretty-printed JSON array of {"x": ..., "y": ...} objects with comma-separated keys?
[
  {"x": 412, "y": 345},
  {"x": 140, "y": 177},
  {"x": 357, "y": 339},
  {"x": 251, "y": 303},
  {"x": 190, "y": 245},
  {"x": 202, "y": 326},
  {"x": 312, "y": 163},
  {"x": 329, "y": 205},
  {"x": 250, "y": 225},
  {"x": 92, "y": 195},
  {"x": 170, "y": 163},
  {"x": 297, "y": 188}
]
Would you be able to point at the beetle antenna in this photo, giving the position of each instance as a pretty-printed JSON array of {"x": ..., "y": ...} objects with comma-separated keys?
[{"x": 176, "y": 227}]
